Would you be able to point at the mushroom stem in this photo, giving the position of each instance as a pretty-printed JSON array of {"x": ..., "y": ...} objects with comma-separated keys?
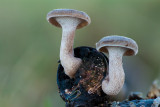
[
  {"x": 113, "y": 83},
  {"x": 68, "y": 61}
]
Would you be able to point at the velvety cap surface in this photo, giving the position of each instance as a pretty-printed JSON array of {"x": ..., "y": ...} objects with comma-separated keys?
[
  {"x": 52, "y": 15},
  {"x": 118, "y": 41}
]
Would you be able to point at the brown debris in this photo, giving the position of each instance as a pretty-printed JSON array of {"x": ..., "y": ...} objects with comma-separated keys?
[{"x": 154, "y": 91}]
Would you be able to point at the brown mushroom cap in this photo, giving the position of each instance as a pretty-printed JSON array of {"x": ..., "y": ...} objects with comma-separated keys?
[
  {"x": 118, "y": 41},
  {"x": 52, "y": 15}
]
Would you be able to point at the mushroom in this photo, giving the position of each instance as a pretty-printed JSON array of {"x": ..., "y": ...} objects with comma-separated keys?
[
  {"x": 116, "y": 47},
  {"x": 69, "y": 20}
]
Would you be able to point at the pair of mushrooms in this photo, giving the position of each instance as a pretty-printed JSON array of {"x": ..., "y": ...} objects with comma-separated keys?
[{"x": 115, "y": 46}]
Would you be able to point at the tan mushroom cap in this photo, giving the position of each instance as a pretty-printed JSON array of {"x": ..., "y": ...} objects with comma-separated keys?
[
  {"x": 118, "y": 41},
  {"x": 52, "y": 15}
]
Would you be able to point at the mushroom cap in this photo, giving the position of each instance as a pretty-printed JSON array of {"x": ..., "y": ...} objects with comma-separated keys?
[
  {"x": 118, "y": 41},
  {"x": 52, "y": 15}
]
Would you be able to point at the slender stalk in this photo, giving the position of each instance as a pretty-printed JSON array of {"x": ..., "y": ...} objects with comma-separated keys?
[
  {"x": 68, "y": 61},
  {"x": 115, "y": 80}
]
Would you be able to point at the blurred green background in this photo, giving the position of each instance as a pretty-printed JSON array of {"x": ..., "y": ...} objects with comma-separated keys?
[{"x": 29, "y": 45}]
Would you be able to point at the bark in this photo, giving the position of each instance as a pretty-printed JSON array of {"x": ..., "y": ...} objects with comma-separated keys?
[{"x": 134, "y": 103}]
